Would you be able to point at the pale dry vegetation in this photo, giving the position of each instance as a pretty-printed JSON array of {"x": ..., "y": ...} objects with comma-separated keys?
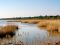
[
  {"x": 7, "y": 30},
  {"x": 49, "y": 24}
]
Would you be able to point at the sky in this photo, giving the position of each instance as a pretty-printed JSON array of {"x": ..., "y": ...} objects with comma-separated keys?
[{"x": 26, "y": 8}]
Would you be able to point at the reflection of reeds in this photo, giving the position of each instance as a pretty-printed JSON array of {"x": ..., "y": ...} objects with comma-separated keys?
[{"x": 54, "y": 33}]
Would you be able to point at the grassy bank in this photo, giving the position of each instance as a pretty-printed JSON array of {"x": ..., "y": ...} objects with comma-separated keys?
[
  {"x": 48, "y": 24},
  {"x": 8, "y": 30}
]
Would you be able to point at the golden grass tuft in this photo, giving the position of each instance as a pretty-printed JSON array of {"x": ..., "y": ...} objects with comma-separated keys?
[
  {"x": 8, "y": 29},
  {"x": 59, "y": 29},
  {"x": 42, "y": 24},
  {"x": 52, "y": 27},
  {"x": 33, "y": 22}
]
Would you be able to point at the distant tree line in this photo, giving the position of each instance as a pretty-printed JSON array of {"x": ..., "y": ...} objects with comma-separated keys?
[
  {"x": 42, "y": 17},
  {"x": 35, "y": 17}
]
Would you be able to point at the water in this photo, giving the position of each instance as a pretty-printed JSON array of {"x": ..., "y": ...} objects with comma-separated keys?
[{"x": 30, "y": 34}]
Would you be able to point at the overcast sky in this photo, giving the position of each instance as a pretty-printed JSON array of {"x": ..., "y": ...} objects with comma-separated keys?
[{"x": 23, "y": 8}]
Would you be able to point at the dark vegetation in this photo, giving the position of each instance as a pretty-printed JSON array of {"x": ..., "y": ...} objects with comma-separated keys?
[
  {"x": 35, "y": 17},
  {"x": 42, "y": 17},
  {"x": 2, "y": 35},
  {"x": 8, "y": 31}
]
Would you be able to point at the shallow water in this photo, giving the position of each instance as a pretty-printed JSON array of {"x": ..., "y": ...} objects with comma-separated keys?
[{"x": 29, "y": 34}]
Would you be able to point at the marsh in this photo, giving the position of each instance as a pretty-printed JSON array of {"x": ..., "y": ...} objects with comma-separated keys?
[{"x": 29, "y": 34}]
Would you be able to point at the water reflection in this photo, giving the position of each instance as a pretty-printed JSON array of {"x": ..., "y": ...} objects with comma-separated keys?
[
  {"x": 54, "y": 36},
  {"x": 30, "y": 34}
]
